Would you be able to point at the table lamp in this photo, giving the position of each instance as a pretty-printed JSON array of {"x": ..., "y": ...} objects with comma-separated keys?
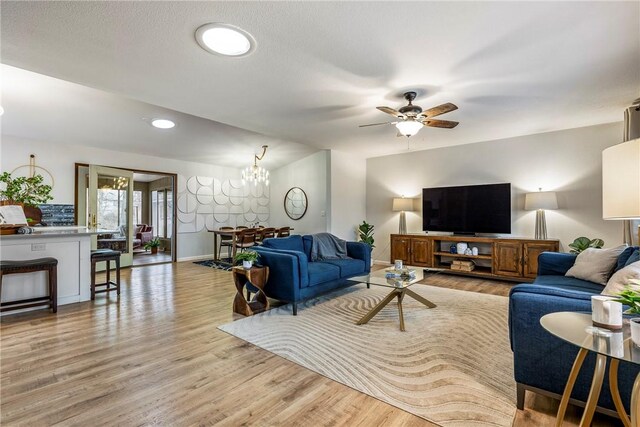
[
  {"x": 540, "y": 201},
  {"x": 402, "y": 205},
  {"x": 621, "y": 184}
]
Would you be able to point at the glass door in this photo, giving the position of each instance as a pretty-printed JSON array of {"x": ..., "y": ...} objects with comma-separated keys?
[{"x": 110, "y": 210}]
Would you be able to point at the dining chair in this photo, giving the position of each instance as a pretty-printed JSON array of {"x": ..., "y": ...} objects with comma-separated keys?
[
  {"x": 244, "y": 239},
  {"x": 241, "y": 227},
  {"x": 226, "y": 241},
  {"x": 266, "y": 233},
  {"x": 284, "y": 232}
]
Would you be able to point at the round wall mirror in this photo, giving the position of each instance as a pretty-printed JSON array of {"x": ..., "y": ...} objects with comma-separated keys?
[{"x": 295, "y": 203}]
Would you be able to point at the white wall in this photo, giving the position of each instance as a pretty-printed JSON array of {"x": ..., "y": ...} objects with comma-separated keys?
[
  {"x": 348, "y": 194},
  {"x": 569, "y": 162},
  {"x": 60, "y": 160},
  {"x": 312, "y": 175}
]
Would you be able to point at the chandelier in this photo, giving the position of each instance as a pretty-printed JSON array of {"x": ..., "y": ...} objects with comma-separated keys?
[{"x": 255, "y": 173}]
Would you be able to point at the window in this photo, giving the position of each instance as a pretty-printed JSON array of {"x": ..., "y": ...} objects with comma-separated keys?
[
  {"x": 162, "y": 212},
  {"x": 137, "y": 207},
  {"x": 112, "y": 208}
]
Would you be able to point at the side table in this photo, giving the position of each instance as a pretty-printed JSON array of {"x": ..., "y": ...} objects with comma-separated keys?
[
  {"x": 577, "y": 329},
  {"x": 256, "y": 276}
]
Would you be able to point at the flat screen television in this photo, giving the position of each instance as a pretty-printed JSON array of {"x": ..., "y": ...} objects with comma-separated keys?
[{"x": 467, "y": 209}]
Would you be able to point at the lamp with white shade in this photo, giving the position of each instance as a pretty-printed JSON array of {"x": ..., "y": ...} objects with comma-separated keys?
[
  {"x": 402, "y": 205},
  {"x": 621, "y": 184},
  {"x": 541, "y": 201}
]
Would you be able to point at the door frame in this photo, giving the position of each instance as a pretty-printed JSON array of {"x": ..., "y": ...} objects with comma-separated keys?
[{"x": 174, "y": 176}]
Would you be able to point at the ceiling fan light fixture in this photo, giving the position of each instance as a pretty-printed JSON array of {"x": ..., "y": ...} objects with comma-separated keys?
[
  {"x": 409, "y": 128},
  {"x": 225, "y": 39}
]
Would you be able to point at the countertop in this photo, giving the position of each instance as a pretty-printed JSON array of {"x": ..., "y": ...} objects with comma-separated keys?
[{"x": 40, "y": 232}]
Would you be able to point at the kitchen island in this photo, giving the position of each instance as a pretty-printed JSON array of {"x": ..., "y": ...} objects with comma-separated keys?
[{"x": 71, "y": 246}]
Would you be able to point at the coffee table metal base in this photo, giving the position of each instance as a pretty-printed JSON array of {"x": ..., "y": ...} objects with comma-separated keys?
[{"x": 398, "y": 293}]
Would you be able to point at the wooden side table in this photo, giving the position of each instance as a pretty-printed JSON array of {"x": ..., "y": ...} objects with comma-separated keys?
[{"x": 256, "y": 276}]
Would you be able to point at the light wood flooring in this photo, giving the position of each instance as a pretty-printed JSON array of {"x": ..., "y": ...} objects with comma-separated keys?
[{"x": 156, "y": 357}]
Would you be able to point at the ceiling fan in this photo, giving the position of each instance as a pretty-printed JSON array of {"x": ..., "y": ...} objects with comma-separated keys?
[{"x": 411, "y": 118}]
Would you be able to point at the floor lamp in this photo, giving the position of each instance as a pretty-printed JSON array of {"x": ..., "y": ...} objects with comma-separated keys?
[
  {"x": 402, "y": 205},
  {"x": 541, "y": 201},
  {"x": 621, "y": 184}
]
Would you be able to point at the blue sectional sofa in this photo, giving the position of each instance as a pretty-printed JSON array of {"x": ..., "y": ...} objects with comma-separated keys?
[
  {"x": 294, "y": 278},
  {"x": 542, "y": 362}
]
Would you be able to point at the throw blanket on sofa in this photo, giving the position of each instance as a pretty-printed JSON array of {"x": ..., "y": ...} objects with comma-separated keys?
[{"x": 327, "y": 246}]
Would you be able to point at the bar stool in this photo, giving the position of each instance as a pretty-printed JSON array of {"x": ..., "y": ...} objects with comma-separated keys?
[
  {"x": 106, "y": 255},
  {"x": 30, "y": 266}
]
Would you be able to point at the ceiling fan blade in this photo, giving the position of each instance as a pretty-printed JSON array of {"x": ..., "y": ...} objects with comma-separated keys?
[
  {"x": 391, "y": 111},
  {"x": 440, "y": 124},
  {"x": 378, "y": 124},
  {"x": 440, "y": 109}
]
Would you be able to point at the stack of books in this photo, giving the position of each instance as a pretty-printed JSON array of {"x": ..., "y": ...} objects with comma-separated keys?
[
  {"x": 462, "y": 265},
  {"x": 392, "y": 273}
]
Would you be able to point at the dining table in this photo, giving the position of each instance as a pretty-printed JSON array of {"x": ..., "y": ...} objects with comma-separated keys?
[{"x": 227, "y": 232}]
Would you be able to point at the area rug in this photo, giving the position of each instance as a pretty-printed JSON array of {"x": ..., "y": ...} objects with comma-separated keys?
[
  {"x": 223, "y": 264},
  {"x": 452, "y": 366}
]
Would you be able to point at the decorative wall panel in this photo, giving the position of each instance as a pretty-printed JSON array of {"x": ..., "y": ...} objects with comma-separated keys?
[{"x": 206, "y": 203}]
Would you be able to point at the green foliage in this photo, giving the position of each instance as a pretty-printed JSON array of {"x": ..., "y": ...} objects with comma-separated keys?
[
  {"x": 582, "y": 243},
  {"x": 246, "y": 256},
  {"x": 631, "y": 297},
  {"x": 153, "y": 243},
  {"x": 30, "y": 191},
  {"x": 365, "y": 233}
]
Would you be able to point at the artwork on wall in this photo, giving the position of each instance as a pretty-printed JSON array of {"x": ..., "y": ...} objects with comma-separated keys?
[{"x": 206, "y": 203}]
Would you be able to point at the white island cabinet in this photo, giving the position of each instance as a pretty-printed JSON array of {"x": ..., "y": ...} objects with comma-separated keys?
[{"x": 71, "y": 246}]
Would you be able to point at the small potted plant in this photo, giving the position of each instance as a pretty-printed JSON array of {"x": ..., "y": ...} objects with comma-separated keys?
[
  {"x": 247, "y": 258},
  {"x": 631, "y": 298},
  {"x": 582, "y": 243},
  {"x": 365, "y": 234},
  {"x": 152, "y": 245}
]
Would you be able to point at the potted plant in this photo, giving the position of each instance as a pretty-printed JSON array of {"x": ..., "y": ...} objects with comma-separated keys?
[
  {"x": 631, "y": 297},
  {"x": 26, "y": 191},
  {"x": 582, "y": 243},
  {"x": 247, "y": 258},
  {"x": 152, "y": 244},
  {"x": 365, "y": 234}
]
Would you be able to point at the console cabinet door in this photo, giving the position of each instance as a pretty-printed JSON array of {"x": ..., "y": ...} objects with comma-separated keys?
[
  {"x": 400, "y": 249},
  {"x": 421, "y": 252},
  {"x": 507, "y": 259},
  {"x": 531, "y": 252}
]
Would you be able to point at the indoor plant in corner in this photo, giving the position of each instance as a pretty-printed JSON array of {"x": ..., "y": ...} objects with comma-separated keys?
[
  {"x": 631, "y": 297},
  {"x": 365, "y": 235},
  {"x": 247, "y": 258},
  {"x": 152, "y": 244},
  {"x": 582, "y": 243}
]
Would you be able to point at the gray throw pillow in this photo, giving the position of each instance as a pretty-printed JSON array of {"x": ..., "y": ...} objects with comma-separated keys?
[
  {"x": 595, "y": 265},
  {"x": 622, "y": 278}
]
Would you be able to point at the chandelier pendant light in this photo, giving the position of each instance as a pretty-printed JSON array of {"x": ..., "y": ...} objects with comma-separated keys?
[{"x": 254, "y": 173}]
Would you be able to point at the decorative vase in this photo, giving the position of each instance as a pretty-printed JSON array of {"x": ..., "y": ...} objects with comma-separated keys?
[
  {"x": 154, "y": 250},
  {"x": 461, "y": 248},
  {"x": 247, "y": 264},
  {"x": 634, "y": 324}
]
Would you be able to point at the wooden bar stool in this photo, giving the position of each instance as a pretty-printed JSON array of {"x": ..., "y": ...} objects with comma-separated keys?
[
  {"x": 106, "y": 255},
  {"x": 30, "y": 266}
]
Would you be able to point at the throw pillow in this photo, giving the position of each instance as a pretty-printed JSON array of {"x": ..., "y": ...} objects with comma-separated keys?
[
  {"x": 621, "y": 279},
  {"x": 595, "y": 265},
  {"x": 624, "y": 257},
  {"x": 635, "y": 257}
]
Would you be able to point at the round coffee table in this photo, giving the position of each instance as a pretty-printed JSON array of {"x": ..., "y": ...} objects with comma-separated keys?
[{"x": 577, "y": 329}]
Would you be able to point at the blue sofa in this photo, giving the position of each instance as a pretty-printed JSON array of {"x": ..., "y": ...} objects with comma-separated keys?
[
  {"x": 294, "y": 278},
  {"x": 542, "y": 362}
]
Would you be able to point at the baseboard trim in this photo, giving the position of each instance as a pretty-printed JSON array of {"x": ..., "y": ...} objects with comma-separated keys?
[{"x": 381, "y": 262}]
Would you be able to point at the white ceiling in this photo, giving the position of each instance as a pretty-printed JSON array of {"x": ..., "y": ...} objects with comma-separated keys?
[{"x": 321, "y": 68}]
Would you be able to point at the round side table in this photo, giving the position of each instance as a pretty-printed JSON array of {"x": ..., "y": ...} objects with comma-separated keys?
[
  {"x": 577, "y": 329},
  {"x": 256, "y": 276}
]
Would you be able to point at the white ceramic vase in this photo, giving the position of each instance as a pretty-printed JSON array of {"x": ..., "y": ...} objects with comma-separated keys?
[
  {"x": 247, "y": 264},
  {"x": 635, "y": 330}
]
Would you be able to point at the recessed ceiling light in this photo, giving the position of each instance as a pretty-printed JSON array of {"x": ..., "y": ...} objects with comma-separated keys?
[
  {"x": 225, "y": 39},
  {"x": 162, "y": 123}
]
